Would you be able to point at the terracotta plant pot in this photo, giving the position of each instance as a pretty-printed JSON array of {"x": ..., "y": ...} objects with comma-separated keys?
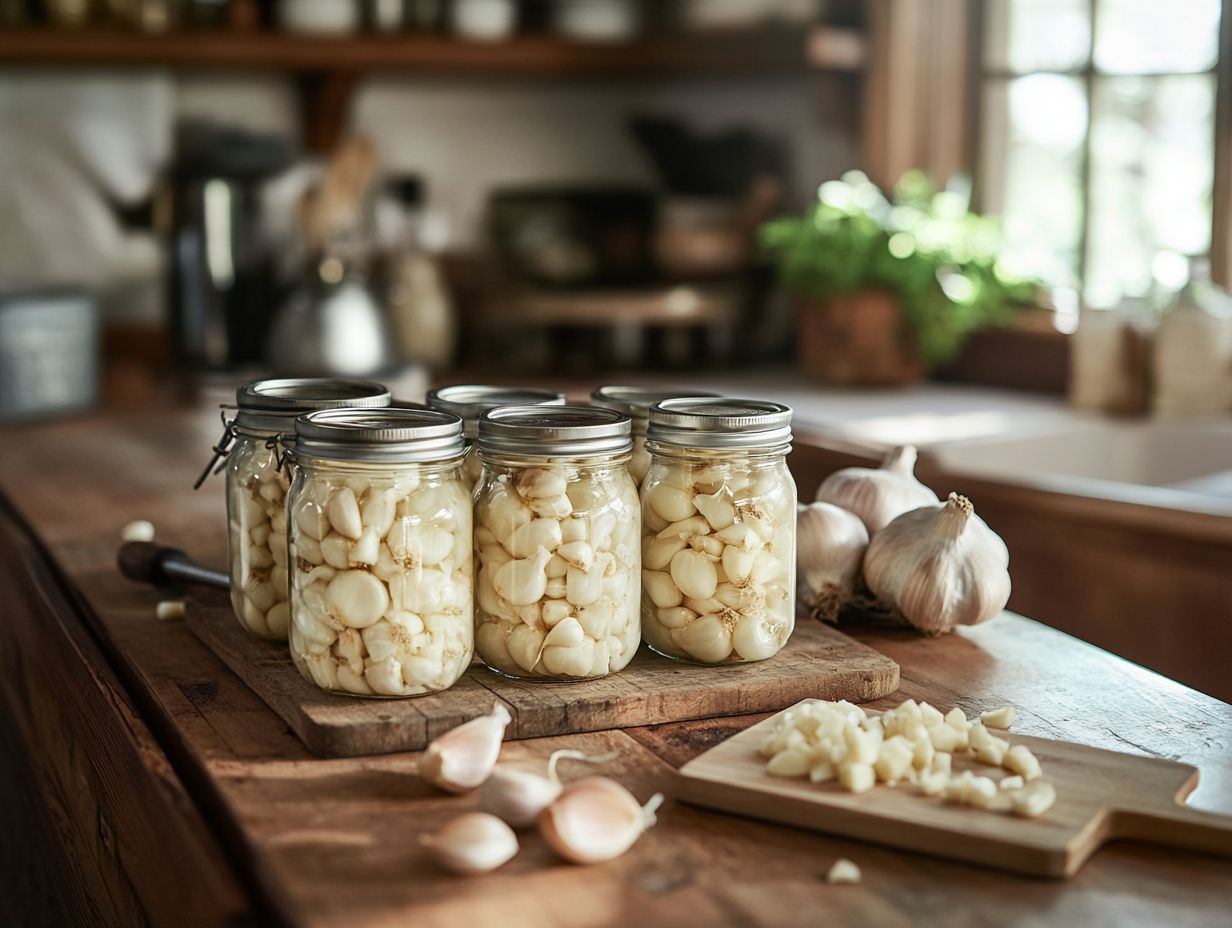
[{"x": 857, "y": 339}]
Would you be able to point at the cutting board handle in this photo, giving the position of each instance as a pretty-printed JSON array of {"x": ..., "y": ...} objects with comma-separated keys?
[{"x": 1176, "y": 826}]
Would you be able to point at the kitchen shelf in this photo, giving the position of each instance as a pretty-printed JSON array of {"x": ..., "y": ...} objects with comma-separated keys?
[{"x": 717, "y": 54}]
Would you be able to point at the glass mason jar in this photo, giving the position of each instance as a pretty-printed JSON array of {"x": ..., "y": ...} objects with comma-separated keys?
[
  {"x": 718, "y": 530},
  {"x": 472, "y": 400},
  {"x": 256, "y": 487},
  {"x": 381, "y": 591},
  {"x": 556, "y": 543},
  {"x": 635, "y": 402}
]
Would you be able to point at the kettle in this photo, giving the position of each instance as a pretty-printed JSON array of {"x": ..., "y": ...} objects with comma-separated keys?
[{"x": 331, "y": 325}]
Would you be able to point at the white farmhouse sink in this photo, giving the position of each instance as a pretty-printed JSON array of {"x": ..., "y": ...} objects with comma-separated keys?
[{"x": 1188, "y": 461}]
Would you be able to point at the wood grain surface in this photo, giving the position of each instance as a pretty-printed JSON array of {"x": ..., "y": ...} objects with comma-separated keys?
[
  {"x": 818, "y": 661},
  {"x": 1101, "y": 795},
  {"x": 333, "y": 842}
]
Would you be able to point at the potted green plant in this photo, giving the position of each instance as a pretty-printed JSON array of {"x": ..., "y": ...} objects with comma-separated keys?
[{"x": 886, "y": 289}]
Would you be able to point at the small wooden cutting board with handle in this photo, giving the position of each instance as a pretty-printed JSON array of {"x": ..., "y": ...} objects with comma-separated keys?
[{"x": 1101, "y": 796}]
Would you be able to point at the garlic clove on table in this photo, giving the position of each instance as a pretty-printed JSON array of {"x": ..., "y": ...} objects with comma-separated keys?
[
  {"x": 475, "y": 842},
  {"x": 463, "y": 757},
  {"x": 939, "y": 566},
  {"x": 517, "y": 796},
  {"x": 596, "y": 819},
  {"x": 878, "y": 495}
]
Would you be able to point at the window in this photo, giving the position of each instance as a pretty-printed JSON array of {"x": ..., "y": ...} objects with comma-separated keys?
[{"x": 1097, "y": 139}]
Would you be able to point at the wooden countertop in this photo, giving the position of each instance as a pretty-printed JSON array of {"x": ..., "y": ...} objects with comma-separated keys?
[{"x": 153, "y": 787}]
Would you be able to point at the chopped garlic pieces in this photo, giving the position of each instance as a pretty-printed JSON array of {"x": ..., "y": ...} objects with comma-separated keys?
[
  {"x": 913, "y": 743},
  {"x": 843, "y": 871},
  {"x": 1034, "y": 799},
  {"x": 1020, "y": 760},
  {"x": 998, "y": 718}
]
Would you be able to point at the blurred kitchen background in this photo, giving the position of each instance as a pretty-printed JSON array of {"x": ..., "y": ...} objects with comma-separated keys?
[{"x": 998, "y": 230}]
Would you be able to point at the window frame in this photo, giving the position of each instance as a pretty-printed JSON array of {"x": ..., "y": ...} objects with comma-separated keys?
[{"x": 981, "y": 74}]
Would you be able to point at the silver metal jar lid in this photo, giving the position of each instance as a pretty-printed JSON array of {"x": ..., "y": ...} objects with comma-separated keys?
[
  {"x": 554, "y": 431},
  {"x": 636, "y": 401},
  {"x": 269, "y": 405},
  {"x": 719, "y": 423},
  {"x": 472, "y": 400},
  {"x": 393, "y": 436}
]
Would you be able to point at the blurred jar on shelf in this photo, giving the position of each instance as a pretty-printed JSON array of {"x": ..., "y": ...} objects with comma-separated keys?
[
  {"x": 635, "y": 402},
  {"x": 1193, "y": 349}
]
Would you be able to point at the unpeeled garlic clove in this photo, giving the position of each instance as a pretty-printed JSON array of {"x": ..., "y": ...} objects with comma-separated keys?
[
  {"x": 476, "y": 842},
  {"x": 879, "y": 495},
  {"x": 463, "y": 757},
  {"x": 595, "y": 819},
  {"x": 939, "y": 566},
  {"x": 517, "y": 796}
]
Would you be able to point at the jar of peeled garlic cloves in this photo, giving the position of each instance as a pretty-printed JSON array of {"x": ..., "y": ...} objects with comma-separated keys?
[
  {"x": 381, "y": 591},
  {"x": 718, "y": 530},
  {"x": 556, "y": 543},
  {"x": 256, "y": 487},
  {"x": 635, "y": 402},
  {"x": 472, "y": 400}
]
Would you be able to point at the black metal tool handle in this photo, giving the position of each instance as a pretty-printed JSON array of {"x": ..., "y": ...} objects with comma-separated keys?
[{"x": 146, "y": 562}]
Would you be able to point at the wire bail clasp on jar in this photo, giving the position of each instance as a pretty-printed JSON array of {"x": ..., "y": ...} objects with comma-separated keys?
[{"x": 222, "y": 449}]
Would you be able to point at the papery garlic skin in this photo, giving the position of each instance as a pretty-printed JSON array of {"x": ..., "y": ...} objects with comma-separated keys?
[
  {"x": 388, "y": 612},
  {"x": 733, "y": 516},
  {"x": 830, "y": 546},
  {"x": 474, "y": 842},
  {"x": 596, "y": 819},
  {"x": 878, "y": 495},
  {"x": 257, "y": 538},
  {"x": 939, "y": 566},
  {"x": 557, "y": 559}
]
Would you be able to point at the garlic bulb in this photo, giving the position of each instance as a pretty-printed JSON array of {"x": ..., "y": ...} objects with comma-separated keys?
[
  {"x": 517, "y": 796},
  {"x": 596, "y": 819},
  {"x": 472, "y": 843},
  {"x": 830, "y": 545},
  {"x": 463, "y": 757},
  {"x": 880, "y": 495},
  {"x": 939, "y": 566}
]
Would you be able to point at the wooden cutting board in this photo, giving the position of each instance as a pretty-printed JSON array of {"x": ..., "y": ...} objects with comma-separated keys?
[
  {"x": 1101, "y": 795},
  {"x": 818, "y": 661}
]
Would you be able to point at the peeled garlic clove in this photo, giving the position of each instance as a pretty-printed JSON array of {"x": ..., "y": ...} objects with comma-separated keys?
[
  {"x": 554, "y": 611},
  {"x": 737, "y": 563},
  {"x": 555, "y": 507},
  {"x": 367, "y": 549},
  {"x": 343, "y": 513},
  {"x": 540, "y": 483},
  {"x": 694, "y": 574},
  {"x": 670, "y": 502},
  {"x": 707, "y": 639},
  {"x": 538, "y": 533},
  {"x": 878, "y": 496},
  {"x": 595, "y": 819},
  {"x": 939, "y": 566},
  {"x": 476, "y": 842},
  {"x": 658, "y": 552},
  {"x": 675, "y": 616},
  {"x": 357, "y": 598},
  {"x": 336, "y": 550},
  {"x": 717, "y": 507},
  {"x": 565, "y": 634},
  {"x": 577, "y": 554},
  {"x": 463, "y": 757},
  {"x": 525, "y": 646},
  {"x": 741, "y": 535},
  {"x": 573, "y": 661},
  {"x": 662, "y": 591},
  {"x": 830, "y": 546},
  {"x": 685, "y": 530},
  {"x": 522, "y": 581},
  {"x": 583, "y": 587},
  {"x": 385, "y": 677},
  {"x": 755, "y": 639}
]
